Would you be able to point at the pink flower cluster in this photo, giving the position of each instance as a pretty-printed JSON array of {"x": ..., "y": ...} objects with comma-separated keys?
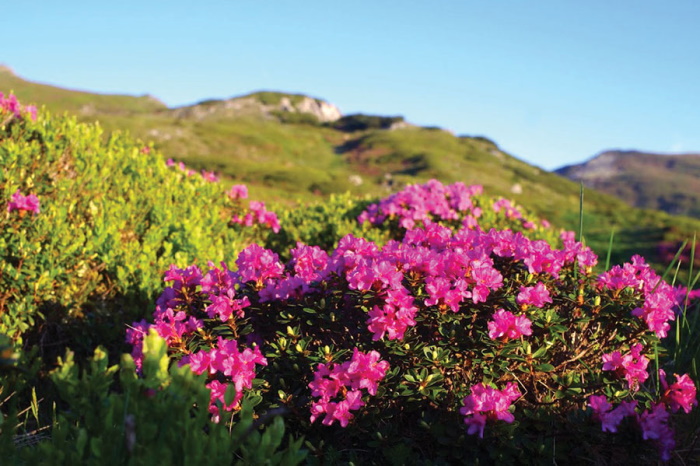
[
  {"x": 660, "y": 299},
  {"x": 508, "y": 208},
  {"x": 258, "y": 214},
  {"x": 682, "y": 394},
  {"x": 418, "y": 205},
  {"x": 487, "y": 403},
  {"x": 610, "y": 418},
  {"x": 537, "y": 295},
  {"x": 206, "y": 175},
  {"x": 10, "y": 104},
  {"x": 217, "y": 292},
  {"x": 340, "y": 386},
  {"x": 652, "y": 422},
  {"x": 238, "y": 191},
  {"x": 226, "y": 360},
  {"x": 454, "y": 269},
  {"x": 632, "y": 366},
  {"x": 421, "y": 204},
  {"x": 506, "y": 326},
  {"x": 19, "y": 202}
]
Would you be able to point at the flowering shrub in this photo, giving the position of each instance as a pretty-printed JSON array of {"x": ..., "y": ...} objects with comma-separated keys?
[
  {"x": 19, "y": 202},
  {"x": 10, "y": 105},
  {"x": 500, "y": 328}
]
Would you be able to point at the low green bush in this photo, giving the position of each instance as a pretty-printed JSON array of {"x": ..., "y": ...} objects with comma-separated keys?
[{"x": 159, "y": 418}]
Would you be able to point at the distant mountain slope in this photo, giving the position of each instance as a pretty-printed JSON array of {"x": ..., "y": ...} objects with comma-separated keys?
[
  {"x": 653, "y": 181},
  {"x": 292, "y": 149}
]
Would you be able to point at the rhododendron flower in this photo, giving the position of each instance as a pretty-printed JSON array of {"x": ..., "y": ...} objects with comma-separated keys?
[
  {"x": 238, "y": 191},
  {"x": 654, "y": 425},
  {"x": 632, "y": 366},
  {"x": 508, "y": 326},
  {"x": 28, "y": 203},
  {"x": 536, "y": 295},
  {"x": 31, "y": 110},
  {"x": 210, "y": 176},
  {"x": 610, "y": 418},
  {"x": 488, "y": 403},
  {"x": 680, "y": 395},
  {"x": 422, "y": 204},
  {"x": 258, "y": 265},
  {"x": 258, "y": 214},
  {"x": 227, "y": 359},
  {"x": 340, "y": 386},
  {"x": 11, "y": 104}
]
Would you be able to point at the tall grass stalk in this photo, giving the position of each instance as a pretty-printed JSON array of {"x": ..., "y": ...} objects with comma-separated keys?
[{"x": 610, "y": 246}]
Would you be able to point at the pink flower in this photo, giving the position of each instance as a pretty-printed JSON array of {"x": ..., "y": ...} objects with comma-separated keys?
[
  {"x": 654, "y": 425},
  {"x": 508, "y": 326},
  {"x": 31, "y": 110},
  {"x": 209, "y": 176},
  {"x": 632, "y": 366},
  {"x": 363, "y": 371},
  {"x": 238, "y": 191},
  {"x": 258, "y": 264},
  {"x": 28, "y": 203},
  {"x": 610, "y": 418},
  {"x": 680, "y": 395},
  {"x": 488, "y": 403},
  {"x": 11, "y": 104},
  {"x": 536, "y": 295}
]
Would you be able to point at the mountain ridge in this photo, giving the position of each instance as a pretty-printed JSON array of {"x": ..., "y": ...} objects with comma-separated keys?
[{"x": 661, "y": 181}]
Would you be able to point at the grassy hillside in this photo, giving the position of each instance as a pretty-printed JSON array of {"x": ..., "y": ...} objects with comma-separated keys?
[
  {"x": 86, "y": 105},
  {"x": 293, "y": 158}
]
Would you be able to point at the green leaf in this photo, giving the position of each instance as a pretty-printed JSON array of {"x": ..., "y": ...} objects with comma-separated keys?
[{"x": 545, "y": 367}]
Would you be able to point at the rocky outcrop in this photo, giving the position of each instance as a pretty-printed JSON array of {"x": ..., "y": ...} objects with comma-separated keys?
[{"x": 265, "y": 104}]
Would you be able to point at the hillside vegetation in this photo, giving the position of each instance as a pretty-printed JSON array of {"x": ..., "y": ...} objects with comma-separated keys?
[{"x": 286, "y": 154}]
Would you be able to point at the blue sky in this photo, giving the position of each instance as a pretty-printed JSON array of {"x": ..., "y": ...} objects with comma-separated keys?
[{"x": 552, "y": 82}]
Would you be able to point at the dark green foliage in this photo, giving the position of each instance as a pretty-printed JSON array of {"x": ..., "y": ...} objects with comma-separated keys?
[
  {"x": 361, "y": 122},
  {"x": 323, "y": 224},
  {"x": 160, "y": 418}
]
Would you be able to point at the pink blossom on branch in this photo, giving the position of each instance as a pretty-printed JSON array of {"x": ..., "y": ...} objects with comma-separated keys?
[
  {"x": 679, "y": 395},
  {"x": 10, "y": 104},
  {"x": 508, "y": 326},
  {"x": 487, "y": 403},
  {"x": 632, "y": 366},
  {"x": 238, "y": 191},
  {"x": 610, "y": 418},
  {"x": 340, "y": 386},
  {"x": 537, "y": 295},
  {"x": 19, "y": 202}
]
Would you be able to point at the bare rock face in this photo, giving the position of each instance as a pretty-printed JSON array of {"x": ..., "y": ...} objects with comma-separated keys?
[
  {"x": 265, "y": 104},
  {"x": 325, "y": 112}
]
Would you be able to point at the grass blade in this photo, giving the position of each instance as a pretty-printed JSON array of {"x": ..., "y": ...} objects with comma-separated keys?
[{"x": 610, "y": 246}]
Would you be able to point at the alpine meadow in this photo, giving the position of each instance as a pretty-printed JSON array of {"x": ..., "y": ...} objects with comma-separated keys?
[{"x": 262, "y": 280}]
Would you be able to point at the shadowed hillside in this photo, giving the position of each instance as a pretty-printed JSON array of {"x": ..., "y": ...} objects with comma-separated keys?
[{"x": 652, "y": 181}]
